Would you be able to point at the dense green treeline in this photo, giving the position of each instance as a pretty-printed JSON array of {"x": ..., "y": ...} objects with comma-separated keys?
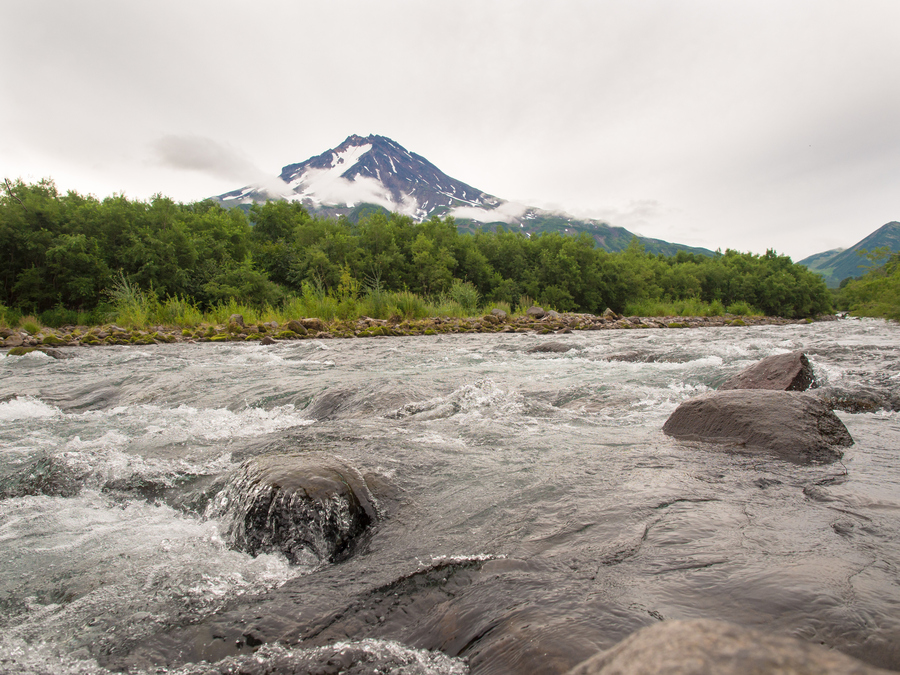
[
  {"x": 876, "y": 293},
  {"x": 73, "y": 251}
]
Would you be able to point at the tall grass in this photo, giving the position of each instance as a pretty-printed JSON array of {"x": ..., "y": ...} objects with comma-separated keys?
[
  {"x": 132, "y": 306},
  {"x": 177, "y": 311},
  {"x": 30, "y": 324},
  {"x": 687, "y": 307}
]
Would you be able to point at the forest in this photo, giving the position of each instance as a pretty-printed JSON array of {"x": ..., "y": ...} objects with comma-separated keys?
[
  {"x": 877, "y": 292},
  {"x": 68, "y": 255}
]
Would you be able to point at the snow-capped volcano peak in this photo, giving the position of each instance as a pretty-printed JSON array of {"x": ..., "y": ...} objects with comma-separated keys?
[
  {"x": 376, "y": 170},
  {"x": 371, "y": 170}
]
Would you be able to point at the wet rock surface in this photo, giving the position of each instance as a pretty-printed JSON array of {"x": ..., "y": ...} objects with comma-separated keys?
[
  {"x": 794, "y": 425},
  {"x": 313, "y": 508},
  {"x": 701, "y": 647},
  {"x": 782, "y": 372}
]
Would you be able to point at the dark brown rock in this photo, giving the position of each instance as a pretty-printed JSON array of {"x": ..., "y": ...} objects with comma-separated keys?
[
  {"x": 535, "y": 312},
  {"x": 702, "y": 647},
  {"x": 796, "y": 426},
  {"x": 238, "y": 319},
  {"x": 310, "y": 507},
  {"x": 784, "y": 372},
  {"x": 313, "y": 324}
]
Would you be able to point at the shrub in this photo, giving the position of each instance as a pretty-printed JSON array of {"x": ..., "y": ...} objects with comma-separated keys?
[
  {"x": 466, "y": 295},
  {"x": 409, "y": 305},
  {"x": 742, "y": 308},
  {"x": 132, "y": 307},
  {"x": 9, "y": 317}
]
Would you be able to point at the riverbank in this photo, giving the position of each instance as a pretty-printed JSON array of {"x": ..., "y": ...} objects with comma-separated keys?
[{"x": 237, "y": 330}]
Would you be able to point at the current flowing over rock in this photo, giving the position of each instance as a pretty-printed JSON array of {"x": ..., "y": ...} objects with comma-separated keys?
[
  {"x": 205, "y": 508},
  {"x": 309, "y": 507}
]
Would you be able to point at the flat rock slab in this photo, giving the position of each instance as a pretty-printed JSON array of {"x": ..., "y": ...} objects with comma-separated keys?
[
  {"x": 702, "y": 646},
  {"x": 784, "y": 372},
  {"x": 796, "y": 426}
]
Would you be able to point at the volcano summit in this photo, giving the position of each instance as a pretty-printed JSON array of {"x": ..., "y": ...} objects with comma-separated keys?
[{"x": 375, "y": 172}]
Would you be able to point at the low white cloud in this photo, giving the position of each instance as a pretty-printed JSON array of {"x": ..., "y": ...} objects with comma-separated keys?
[
  {"x": 329, "y": 188},
  {"x": 634, "y": 215},
  {"x": 207, "y": 156},
  {"x": 506, "y": 212}
]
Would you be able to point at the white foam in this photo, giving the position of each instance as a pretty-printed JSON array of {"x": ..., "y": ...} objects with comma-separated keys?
[
  {"x": 26, "y": 407},
  {"x": 121, "y": 561},
  {"x": 186, "y": 423}
]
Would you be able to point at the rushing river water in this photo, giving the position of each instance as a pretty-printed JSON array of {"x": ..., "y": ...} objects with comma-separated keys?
[{"x": 532, "y": 511}]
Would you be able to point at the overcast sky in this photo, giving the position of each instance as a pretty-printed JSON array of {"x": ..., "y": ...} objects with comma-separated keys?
[{"x": 735, "y": 124}]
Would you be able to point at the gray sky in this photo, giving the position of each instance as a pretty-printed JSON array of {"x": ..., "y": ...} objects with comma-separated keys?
[{"x": 735, "y": 124}]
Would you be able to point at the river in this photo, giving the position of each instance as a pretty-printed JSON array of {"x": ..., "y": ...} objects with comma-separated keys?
[{"x": 531, "y": 510}]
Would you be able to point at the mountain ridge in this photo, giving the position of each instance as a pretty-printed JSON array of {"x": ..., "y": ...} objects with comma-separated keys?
[
  {"x": 377, "y": 172},
  {"x": 839, "y": 264}
]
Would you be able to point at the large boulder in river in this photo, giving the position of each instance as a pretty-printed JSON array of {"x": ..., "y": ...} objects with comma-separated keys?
[
  {"x": 797, "y": 426},
  {"x": 310, "y": 507},
  {"x": 784, "y": 372},
  {"x": 702, "y": 646}
]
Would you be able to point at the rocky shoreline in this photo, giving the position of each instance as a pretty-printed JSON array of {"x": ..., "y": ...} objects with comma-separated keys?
[{"x": 536, "y": 320}]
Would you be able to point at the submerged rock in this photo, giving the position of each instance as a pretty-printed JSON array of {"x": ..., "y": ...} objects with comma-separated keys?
[
  {"x": 45, "y": 475},
  {"x": 354, "y": 657},
  {"x": 703, "y": 646},
  {"x": 550, "y": 347},
  {"x": 783, "y": 372},
  {"x": 312, "y": 508},
  {"x": 860, "y": 398},
  {"x": 796, "y": 426},
  {"x": 53, "y": 353}
]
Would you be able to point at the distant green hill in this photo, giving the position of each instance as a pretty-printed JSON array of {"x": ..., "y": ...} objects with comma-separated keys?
[
  {"x": 607, "y": 237},
  {"x": 839, "y": 264}
]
